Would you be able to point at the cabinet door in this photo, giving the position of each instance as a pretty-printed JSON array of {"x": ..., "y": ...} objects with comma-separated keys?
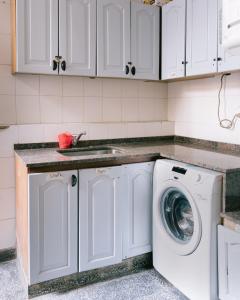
[
  {"x": 229, "y": 59},
  {"x": 145, "y": 35},
  {"x": 138, "y": 209},
  {"x": 173, "y": 39},
  {"x": 228, "y": 263},
  {"x": 36, "y": 36},
  {"x": 100, "y": 235},
  {"x": 201, "y": 51},
  {"x": 53, "y": 225},
  {"x": 113, "y": 37},
  {"x": 77, "y": 36}
]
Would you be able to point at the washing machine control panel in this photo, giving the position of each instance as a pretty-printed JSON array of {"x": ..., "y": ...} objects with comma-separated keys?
[{"x": 179, "y": 170}]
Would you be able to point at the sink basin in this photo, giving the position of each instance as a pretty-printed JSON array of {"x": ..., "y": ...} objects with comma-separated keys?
[{"x": 89, "y": 151}]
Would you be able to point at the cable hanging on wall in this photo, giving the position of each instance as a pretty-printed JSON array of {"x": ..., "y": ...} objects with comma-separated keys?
[{"x": 225, "y": 123}]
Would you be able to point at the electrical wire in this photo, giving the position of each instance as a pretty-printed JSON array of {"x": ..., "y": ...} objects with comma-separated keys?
[{"x": 229, "y": 124}]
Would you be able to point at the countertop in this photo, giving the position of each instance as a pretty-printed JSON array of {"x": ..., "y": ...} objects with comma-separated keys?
[
  {"x": 227, "y": 161},
  {"x": 35, "y": 159}
]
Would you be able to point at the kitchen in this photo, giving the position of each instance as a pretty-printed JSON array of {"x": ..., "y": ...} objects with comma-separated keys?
[{"x": 145, "y": 87}]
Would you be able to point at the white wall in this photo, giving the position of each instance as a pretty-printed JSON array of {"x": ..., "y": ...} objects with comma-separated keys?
[
  {"x": 39, "y": 107},
  {"x": 192, "y": 105}
]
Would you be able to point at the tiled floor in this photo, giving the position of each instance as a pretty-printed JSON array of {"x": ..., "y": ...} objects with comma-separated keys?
[{"x": 147, "y": 285}]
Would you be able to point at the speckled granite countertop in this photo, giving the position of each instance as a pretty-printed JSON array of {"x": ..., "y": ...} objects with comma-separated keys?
[
  {"x": 233, "y": 216},
  {"x": 131, "y": 152}
]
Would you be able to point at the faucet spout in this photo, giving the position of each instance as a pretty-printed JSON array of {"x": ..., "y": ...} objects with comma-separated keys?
[{"x": 77, "y": 137}]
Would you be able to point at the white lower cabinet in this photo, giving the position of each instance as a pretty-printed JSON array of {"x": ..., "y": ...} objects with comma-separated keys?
[
  {"x": 100, "y": 213},
  {"x": 137, "y": 237},
  {"x": 53, "y": 225},
  {"x": 228, "y": 263}
]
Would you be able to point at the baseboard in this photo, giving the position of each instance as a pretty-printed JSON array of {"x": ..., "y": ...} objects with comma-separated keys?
[
  {"x": 74, "y": 281},
  {"x": 7, "y": 254}
]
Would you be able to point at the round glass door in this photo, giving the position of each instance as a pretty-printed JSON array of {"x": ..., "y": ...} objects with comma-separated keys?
[{"x": 177, "y": 215}]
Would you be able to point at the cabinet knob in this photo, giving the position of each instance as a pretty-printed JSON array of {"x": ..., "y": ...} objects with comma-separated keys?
[
  {"x": 55, "y": 65},
  {"x": 133, "y": 70},
  {"x": 127, "y": 69},
  {"x": 74, "y": 180},
  {"x": 63, "y": 65}
]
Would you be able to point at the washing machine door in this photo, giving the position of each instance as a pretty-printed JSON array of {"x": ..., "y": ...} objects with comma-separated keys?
[{"x": 180, "y": 220}]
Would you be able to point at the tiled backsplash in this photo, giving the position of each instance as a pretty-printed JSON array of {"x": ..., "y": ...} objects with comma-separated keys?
[
  {"x": 193, "y": 105},
  {"x": 39, "y": 107}
]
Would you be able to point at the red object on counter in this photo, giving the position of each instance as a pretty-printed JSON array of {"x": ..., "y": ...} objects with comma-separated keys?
[{"x": 65, "y": 140}]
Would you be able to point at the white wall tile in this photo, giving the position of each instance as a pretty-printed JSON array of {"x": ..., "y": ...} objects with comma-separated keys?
[
  {"x": 112, "y": 110},
  {"x": 51, "y": 109},
  {"x": 130, "y": 88},
  {"x": 93, "y": 109},
  {"x": 7, "y": 204},
  {"x": 5, "y": 49},
  {"x": 112, "y": 88},
  {"x": 117, "y": 130},
  {"x": 7, "y": 234},
  {"x": 51, "y": 132},
  {"x": 93, "y": 87},
  {"x": 5, "y": 27},
  {"x": 7, "y": 173},
  {"x": 153, "y": 90},
  {"x": 7, "y": 110},
  {"x": 135, "y": 130},
  {"x": 130, "y": 109},
  {"x": 73, "y": 109},
  {"x": 7, "y": 81},
  {"x": 50, "y": 85},
  {"x": 97, "y": 131},
  {"x": 33, "y": 133},
  {"x": 8, "y": 138},
  {"x": 28, "y": 109},
  {"x": 149, "y": 109},
  {"x": 27, "y": 85},
  {"x": 73, "y": 86}
]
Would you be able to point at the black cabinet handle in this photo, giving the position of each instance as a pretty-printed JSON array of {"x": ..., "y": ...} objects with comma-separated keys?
[
  {"x": 133, "y": 70},
  {"x": 55, "y": 65},
  {"x": 63, "y": 65},
  {"x": 74, "y": 180},
  {"x": 127, "y": 69}
]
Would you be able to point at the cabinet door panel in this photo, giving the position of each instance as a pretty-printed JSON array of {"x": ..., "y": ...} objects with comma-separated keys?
[
  {"x": 145, "y": 35},
  {"x": 138, "y": 209},
  {"x": 100, "y": 212},
  {"x": 113, "y": 37},
  {"x": 230, "y": 58},
  {"x": 228, "y": 263},
  {"x": 36, "y": 35},
  {"x": 173, "y": 39},
  {"x": 77, "y": 36},
  {"x": 53, "y": 226},
  {"x": 201, "y": 37}
]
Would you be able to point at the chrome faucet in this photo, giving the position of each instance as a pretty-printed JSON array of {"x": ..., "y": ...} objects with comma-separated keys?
[{"x": 77, "y": 137}]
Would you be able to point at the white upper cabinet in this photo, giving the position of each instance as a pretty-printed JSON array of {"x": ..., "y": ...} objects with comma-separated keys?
[
  {"x": 145, "y": 36},
  {"x": 53, "y": 222},
  {"x": 173, "y": 39},
  {"x": 137, "y": 236},
  {"x": 100, "y": 234},
  {"x": 229, "y": 58},
  {"x": 77, "y": 37},
  {"x": 36, "y": 36},
  {"x": 201, "y": 45},
  {"x": 113, "y": 37}
]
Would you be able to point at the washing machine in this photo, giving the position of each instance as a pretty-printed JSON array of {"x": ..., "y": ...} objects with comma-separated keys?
[{"x": 186, "y": 211}]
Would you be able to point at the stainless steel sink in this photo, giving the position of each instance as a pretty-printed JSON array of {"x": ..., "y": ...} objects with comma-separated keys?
[{"x": 90, "y": 151}]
